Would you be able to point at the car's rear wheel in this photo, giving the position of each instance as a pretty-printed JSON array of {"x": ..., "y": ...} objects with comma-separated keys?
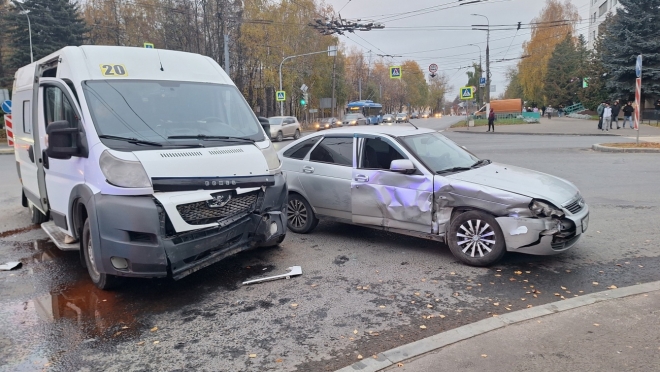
[
  {"x": 476, "y": 239},
  {"x": 296, "y": 135},
  {"x": 300, "y": 216},
  {"x": 101, "y": 280},
  {"x": 279, "y": 137}
]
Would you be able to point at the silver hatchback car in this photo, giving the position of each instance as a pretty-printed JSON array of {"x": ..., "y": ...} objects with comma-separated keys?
[{"x": 417, "y": 182}]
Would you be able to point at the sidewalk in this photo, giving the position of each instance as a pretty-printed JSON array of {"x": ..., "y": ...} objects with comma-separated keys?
[
  {"x": 614, "y": 330},
  {"x": 564, "y": 126}
]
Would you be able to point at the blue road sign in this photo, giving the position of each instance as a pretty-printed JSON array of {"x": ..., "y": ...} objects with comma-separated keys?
[
  {"x": 280, "y": 96},
  {"x": 6, "y": 106},
  {"x": 467, "y": 93},
  {"x": 482, "y": 81},
  {"x": 638, "y": 66}
]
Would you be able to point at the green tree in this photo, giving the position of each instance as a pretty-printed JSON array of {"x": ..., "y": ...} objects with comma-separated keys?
[
  {"x": 55, "y": 24},
  {"x": 473, "y": 81},
  {"x": 596, "y": 74},
  {"x": 632, "y": 31},
  {"x": 562, "y": 81},
  {"x": 513, "y": 89}
]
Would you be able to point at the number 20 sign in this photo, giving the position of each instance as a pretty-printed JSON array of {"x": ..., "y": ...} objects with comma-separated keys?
[{"x": 113, "y": 70}]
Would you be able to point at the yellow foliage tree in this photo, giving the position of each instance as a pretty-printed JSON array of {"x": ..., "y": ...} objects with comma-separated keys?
[{"x": 555, "y": 20}]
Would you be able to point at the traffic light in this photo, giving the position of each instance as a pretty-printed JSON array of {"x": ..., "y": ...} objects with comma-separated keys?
[{"x": 303, "y": 100}]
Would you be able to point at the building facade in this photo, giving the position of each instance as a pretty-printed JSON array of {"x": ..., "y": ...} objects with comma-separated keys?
[{"x": 598, "y": 10}]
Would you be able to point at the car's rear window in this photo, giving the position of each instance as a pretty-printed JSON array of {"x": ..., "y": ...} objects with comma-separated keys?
[{"x": 300, "y": 150}]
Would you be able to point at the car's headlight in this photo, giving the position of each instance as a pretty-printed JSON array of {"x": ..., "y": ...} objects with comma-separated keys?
[
  {"x": 353, "y": 122},
  {"x": 544, "y": 209},
  {"x": 327, "y": 125},
  {"x": 123, "y": 173}
]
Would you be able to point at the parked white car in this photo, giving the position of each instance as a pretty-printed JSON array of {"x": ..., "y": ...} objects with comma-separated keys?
[
  {"x": 284, "y": 126},
  {"x": 417, "y": 182}
]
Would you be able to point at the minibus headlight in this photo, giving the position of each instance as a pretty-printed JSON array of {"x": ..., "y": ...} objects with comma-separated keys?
[
  {"x": 272, "y": 160},
  {"x": 123, "y": 173}
]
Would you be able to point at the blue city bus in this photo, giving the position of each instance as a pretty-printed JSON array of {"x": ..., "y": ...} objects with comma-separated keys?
[{"x": 371, "y": 110}]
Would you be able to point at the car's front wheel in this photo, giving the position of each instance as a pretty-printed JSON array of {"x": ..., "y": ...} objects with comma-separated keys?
[
  {"x": 476, "y": 239},
  {"x": 300, "y": 216},
  {"x": 296, "y": 135},
  {"x": 279, "y": 137}
]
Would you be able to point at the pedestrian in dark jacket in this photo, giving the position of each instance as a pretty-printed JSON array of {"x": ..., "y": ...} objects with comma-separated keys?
[
  {"x": 627, "y": 114},
  {"x": 542, "y": 110},
  {"x": 491, "y": 120},
  {"x": 616, "y": 108},
  {"x": 600, "y": 110}
]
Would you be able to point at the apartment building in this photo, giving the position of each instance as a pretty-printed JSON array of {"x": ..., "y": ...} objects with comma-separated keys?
[{"x": 598, "y": 10}]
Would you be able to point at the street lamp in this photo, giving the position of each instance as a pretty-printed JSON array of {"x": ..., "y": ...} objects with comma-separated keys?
[
  {"x": 487, "y": 56},
  {"x": 29, "y": 27}
]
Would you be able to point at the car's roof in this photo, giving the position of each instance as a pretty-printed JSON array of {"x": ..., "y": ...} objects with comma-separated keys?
[
  {"x": 391, "y": 130},
  {"x": 279, "y": 117}
]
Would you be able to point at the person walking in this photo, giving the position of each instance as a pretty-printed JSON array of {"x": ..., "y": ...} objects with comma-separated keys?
[
  {"x": 560, "y": 111},
  {"x": 657, "y": 109},
  {"x": 627, "y": 114},
  {"x": 616, "y": 108},
  {"x": 607, "y": 117},
  {"x": 542, "y": 110},
  {"x": 548, "y": 111},
  {"x": 599, "y": 110},
  {"x": 491, "y": 120}
]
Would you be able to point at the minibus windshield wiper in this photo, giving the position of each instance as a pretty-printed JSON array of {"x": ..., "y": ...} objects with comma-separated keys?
[
  {"x": 211, "y": 138},
  {"x": 131, "y": 140}
]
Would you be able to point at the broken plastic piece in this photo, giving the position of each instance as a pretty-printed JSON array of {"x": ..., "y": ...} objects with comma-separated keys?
[
  {"x": 10, "y": 266},
  {"x": 519, "y": 230},
  {"x": 293, "y": 271}
]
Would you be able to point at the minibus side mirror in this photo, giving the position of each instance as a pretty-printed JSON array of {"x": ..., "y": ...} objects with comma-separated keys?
[
  {"x": 265, "y": 124},
  {"x": 62, "y": 140}
]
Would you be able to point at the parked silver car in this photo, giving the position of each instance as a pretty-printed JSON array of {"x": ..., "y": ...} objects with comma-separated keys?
[
  {"x": 284, "y": 126},
  {"x": 417, "y": 182},
  {"x": 354, "y": 119}
]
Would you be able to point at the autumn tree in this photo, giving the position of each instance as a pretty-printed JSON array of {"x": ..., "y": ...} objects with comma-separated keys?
[
  {"x": 563, "y": 82},
  {"x": 554, "y": 22},
  {"x": 513, "y": 88},
  {"x": 438, "y": 87}
]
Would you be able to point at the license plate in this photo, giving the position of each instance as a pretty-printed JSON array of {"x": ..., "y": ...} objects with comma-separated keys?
[{"x": 585, "y": 223}]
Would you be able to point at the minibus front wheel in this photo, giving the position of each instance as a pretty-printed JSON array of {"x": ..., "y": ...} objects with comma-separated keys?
[{"x": 101, "y": 280}]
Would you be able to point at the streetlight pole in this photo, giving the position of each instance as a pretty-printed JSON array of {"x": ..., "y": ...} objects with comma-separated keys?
[
  {"x": 488, "y": 76},
  {"x": 289, "y": 57},
  {"x": 29, "y": 28},
  {"x": 481, "y": 71}
]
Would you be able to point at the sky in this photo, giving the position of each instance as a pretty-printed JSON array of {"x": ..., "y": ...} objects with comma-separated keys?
[{"x": 442, "y": 34}]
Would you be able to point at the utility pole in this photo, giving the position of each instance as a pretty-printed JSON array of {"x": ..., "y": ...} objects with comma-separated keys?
[
  {"x": 360, "y": 88},
  {"x": 481, "y": 71},
  {"x": 227, "y": 54},
  {"x": 488, "y": 76},
  {"x": 334, "y": 67},
  {"x": 29, "y": 28}
]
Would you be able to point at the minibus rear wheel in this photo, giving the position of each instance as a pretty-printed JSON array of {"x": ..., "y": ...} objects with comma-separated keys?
[{"x": 35, "y": 215}]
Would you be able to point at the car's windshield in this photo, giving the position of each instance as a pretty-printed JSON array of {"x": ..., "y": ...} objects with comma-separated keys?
[
  {"x": 275, "y": 121},
  {"x": 351, "y": 116},
  {"x": 156, "y": 110},
  {"x": 328, "y": 120},
  {"x": 439, "y": 153}
]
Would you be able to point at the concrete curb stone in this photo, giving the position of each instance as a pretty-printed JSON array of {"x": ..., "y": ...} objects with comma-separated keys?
[
  {"x": 423, "y": 346},
  {"x": 6, "y": 150},
  {"x": 539, "y": 134},
  {"x": 602, "y": 148}
]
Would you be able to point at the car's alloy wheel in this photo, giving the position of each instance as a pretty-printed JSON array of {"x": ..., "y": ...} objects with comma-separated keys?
[
  {"x": 279, "y": 137},
  {"x": 296, "y": 135},
  {"x": 475, "y": 238},
  {"x": 300, "y": 216}
]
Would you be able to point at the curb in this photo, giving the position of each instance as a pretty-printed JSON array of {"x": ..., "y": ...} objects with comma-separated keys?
[
  {"x": 599, "y": 147},
  {"x": 540, "y": 134},
  {"x": 423, "y": 346},
  {"x": 7, "y": 151}
]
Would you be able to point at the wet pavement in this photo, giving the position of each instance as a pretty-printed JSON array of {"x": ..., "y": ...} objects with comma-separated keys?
[{"x": 362, "y": 291}]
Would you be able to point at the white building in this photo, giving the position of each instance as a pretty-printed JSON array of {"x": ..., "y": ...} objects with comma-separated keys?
[{"x": 598, "y": 10}]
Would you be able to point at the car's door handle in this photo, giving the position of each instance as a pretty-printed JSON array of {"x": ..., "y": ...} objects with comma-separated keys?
[
  {"x": 361, "y": 178},
  {"x": 308, "y": 169}
]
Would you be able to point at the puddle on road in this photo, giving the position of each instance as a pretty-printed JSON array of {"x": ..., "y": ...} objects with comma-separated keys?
[{"x": 51, "y": 308}]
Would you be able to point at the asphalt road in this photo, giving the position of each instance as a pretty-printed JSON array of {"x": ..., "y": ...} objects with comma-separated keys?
[{"x": 362, "y": 291}]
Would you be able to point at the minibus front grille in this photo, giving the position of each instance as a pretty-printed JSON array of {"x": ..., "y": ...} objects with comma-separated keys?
[{"x": 200, "y": 213}]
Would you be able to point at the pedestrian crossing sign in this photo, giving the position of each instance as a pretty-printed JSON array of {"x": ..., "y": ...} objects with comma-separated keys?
[
  {"x": 280, "y": 96},
  {"x": 395, "y": 72},
  {"x": 467, "y": 93}
]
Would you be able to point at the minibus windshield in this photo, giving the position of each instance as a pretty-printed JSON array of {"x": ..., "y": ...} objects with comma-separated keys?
[{"x": 169, "y": 112}]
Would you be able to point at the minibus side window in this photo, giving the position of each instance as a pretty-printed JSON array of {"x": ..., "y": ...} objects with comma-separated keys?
[{"x": 58, "y": 106}]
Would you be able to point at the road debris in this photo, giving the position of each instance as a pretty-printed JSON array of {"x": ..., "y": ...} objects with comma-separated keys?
[
  {"x": 10, "y": 266},
  {"x": 293, "y": 271}
]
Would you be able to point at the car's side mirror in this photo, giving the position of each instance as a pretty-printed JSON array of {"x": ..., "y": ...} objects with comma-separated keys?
[
  {"x": 404, "y": 166},
  {"x": 63, "y": 140}
]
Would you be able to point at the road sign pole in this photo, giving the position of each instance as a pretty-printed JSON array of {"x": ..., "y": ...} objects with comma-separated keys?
[
  {"x": 281, "y": 63},
  {"x": 638, "y": 93}
]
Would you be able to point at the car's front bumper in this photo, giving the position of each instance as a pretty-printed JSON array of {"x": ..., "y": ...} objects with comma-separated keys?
[{"x": 527, "y": 235}]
